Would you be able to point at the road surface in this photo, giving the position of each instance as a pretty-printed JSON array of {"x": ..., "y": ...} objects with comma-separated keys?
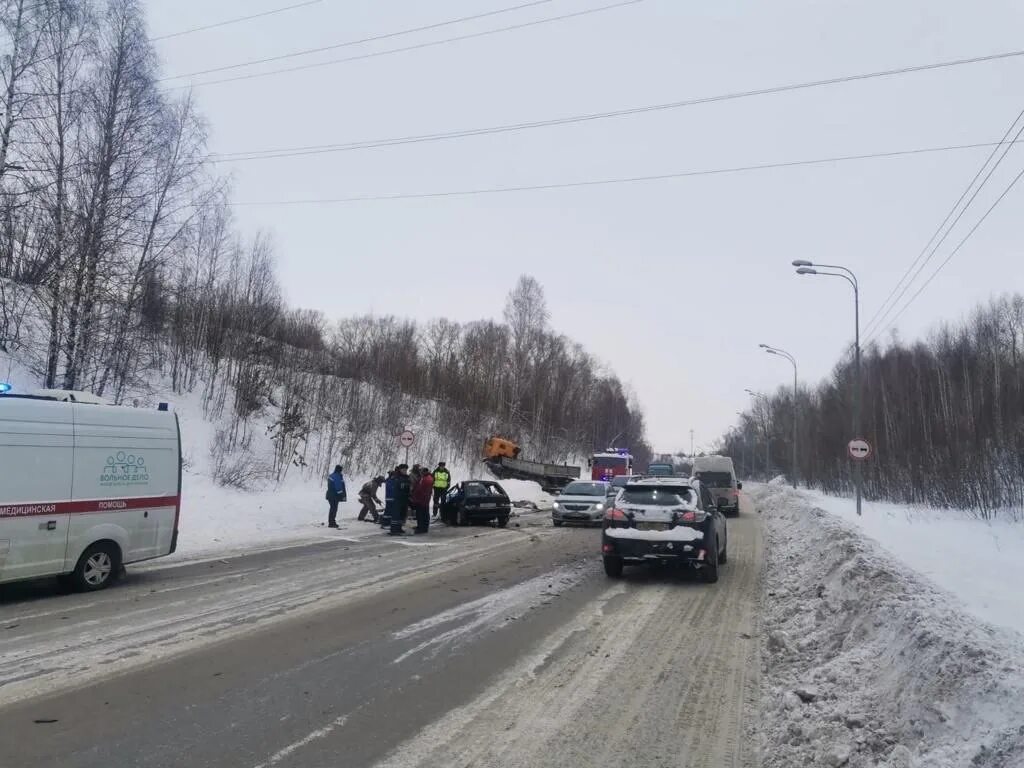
[{"x": 469, "y": 647}]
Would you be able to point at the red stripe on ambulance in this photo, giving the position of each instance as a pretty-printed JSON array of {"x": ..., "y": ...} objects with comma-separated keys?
[{"x": 38, "y": 509}]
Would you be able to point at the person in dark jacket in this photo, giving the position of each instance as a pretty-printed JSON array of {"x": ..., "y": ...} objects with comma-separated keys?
[
  {"x": 335, "y": 494},
  {"x": 442, "y": 480},
  {"x": 396, "y": 499},
  {"x": 385, "y": 518},
  {"x": 368, "y": 498},
  {"x": 420, "y": 498}
]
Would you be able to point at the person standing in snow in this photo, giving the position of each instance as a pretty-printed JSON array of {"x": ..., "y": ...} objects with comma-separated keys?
[
  {"x": 335, "y": 493},
  {"x": 421, "y": 492},
  {"x": 368, "y": 498},
  {"x": 442, "y": 479},
  {"x": 396, "y": 499}
]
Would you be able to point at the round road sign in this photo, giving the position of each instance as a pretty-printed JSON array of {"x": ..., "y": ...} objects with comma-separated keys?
[
  {"x": 407, "y": 438},
  {"x": 859, "y": 449}
]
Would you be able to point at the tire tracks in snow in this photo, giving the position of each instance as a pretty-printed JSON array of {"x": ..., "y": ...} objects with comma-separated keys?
[{"x": 655, "y": 672}]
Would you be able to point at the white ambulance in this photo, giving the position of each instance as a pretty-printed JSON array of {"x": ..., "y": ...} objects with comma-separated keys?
[{"x": 85, "y": 487}]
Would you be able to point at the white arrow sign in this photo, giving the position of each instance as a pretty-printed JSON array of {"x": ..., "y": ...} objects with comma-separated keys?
[{"x": 859, "y": 449}]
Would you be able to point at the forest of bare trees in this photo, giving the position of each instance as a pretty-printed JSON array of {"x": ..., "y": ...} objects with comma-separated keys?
[
  {"x": 120, "y": 265},
  {"x": 945, "y": 417}
]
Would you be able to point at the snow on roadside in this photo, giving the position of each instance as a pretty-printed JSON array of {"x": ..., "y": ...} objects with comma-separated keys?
[
  {"x": 867, "y": 664},
  {"x": 974, "y": 559}
]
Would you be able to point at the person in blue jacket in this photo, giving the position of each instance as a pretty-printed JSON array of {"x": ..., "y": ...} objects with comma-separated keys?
[
  {"x": 335, "y": 493},
  {"x": 396, "y": 500}
]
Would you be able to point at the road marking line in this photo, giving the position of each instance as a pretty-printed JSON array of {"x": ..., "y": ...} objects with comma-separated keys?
[{"x": 316, "y": 735}]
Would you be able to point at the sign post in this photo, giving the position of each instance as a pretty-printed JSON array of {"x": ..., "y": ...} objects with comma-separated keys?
[{"x": 406, "y": 439}]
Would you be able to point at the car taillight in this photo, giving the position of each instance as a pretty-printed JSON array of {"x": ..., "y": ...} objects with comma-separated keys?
[
  {"x": 734, "y": 492},
  {"x": 689, "y": 516},
  {"x": 615, "y": 514}
]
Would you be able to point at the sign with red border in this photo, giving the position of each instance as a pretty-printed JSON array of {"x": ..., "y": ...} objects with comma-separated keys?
[{"x": 859, "y": 449}]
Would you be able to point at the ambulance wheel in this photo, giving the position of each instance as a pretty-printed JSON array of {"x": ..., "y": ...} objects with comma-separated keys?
[{"x": 98, "y": 566}]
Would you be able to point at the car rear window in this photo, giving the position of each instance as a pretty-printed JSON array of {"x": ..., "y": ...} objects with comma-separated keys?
[
  {"x": 659, "y": 497},
  {"x": 715, "y": 479},
  {"x": 478, "y": 490}
]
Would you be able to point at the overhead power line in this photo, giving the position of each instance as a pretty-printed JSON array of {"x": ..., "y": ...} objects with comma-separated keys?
[
  {"x": 887, "y": 306},
  {"x": 237, "y": 20},
  {"x": 418, "y": 46},
  {"x": 617, "y": 180},
  {"x": 956, "y": 250},
  {"x": 360, "y": 41},
  {"x": 587, "y": 117}
]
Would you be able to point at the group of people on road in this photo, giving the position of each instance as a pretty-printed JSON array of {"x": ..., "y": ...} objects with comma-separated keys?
[{"x": 405, "y": 491}]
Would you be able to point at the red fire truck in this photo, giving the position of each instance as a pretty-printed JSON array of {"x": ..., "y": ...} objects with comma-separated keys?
[{"x": 613, "y": 462}]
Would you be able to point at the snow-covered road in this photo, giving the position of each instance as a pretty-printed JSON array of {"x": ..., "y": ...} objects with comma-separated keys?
[
  {"x": 487, "y": 647},
  {"x": 498, "y": 648}
]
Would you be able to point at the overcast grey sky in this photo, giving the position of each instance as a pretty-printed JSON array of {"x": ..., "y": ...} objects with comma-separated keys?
[{"x": 671, "y": 283}]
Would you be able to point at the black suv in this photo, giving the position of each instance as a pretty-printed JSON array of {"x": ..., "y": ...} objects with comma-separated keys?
[{"x": 668, "y": 521}]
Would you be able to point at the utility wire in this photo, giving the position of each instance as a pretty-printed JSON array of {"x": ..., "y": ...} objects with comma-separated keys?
[
  {"x": 960, "y": 245},
  {"x": 511, "y": 127},
  {"x": 878, "y": 318},
  {"x": 418, "y": 46},
  {"x": 237, "y": 20},
  {"x": 611, "y": 181},
  {"x": 347, "y": 43},
  {"x": 1006, "y": 147}
]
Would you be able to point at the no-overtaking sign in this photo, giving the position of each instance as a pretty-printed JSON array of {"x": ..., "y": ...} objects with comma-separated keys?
[{"x": 859, "y": 449}]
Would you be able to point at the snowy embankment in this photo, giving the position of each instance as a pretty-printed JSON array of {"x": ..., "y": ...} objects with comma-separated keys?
[
  {"x": 974, "y": 559},
  {"x": 870, "y": 665}
]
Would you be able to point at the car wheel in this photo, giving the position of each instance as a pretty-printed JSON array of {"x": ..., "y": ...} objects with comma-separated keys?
[
  {"x": 723, "y": 556},
  {"x": 503, "y": 522},
  {"x": 460, "y": 517},
  {"x": 613, "y": 567},
  {"x": 98, "y": 566},
  {"x": 558, "y": 523},
  {"x": 709, "y": 573}
]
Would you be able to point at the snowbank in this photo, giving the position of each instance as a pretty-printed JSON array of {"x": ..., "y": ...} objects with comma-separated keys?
[
  {"x": 974, "y": 559},
  {"x": 868, "y": 665}
]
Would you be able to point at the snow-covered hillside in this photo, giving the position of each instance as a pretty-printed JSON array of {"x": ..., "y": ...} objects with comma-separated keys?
[{"x": 265, "y": 512}]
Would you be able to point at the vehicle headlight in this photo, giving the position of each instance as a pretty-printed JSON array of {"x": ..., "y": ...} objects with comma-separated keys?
[
  {"x": 598, "y": 507},
  {"x": 555, "y": 504}
]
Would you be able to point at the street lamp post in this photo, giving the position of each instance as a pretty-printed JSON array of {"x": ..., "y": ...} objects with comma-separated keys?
[
  {"x": 783, "y": 353},
  {"x": 805, "y": 267},
  {"x": 743, "y": 446},
  {"x": 767, "y": 437}
]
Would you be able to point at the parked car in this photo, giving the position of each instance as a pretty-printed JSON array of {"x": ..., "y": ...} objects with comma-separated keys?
[
  {"x": 665, "y": 521},
  {"x": 476, "y": 501},
  {"x": 719, "y": 475},
  {"x": 584, "y": 501}
]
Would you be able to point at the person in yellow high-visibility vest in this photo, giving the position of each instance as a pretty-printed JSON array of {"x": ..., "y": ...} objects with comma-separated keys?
[{"x": 442, "y": 480}]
